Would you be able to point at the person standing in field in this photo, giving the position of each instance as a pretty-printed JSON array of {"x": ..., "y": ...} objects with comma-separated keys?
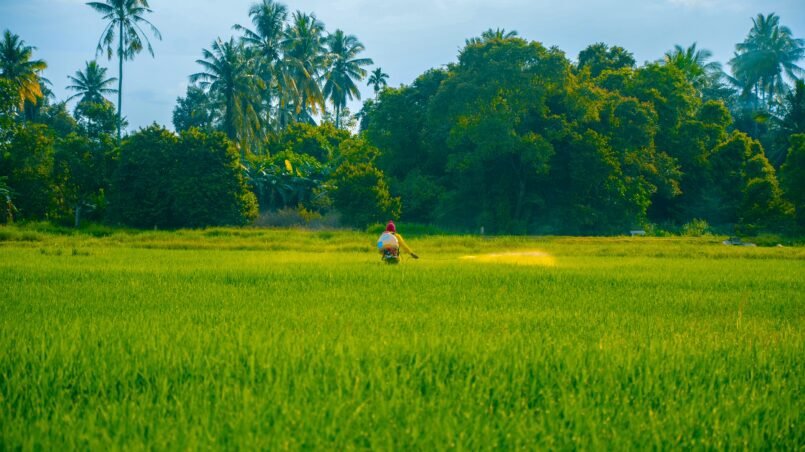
[{"x": 389, "y": 245}]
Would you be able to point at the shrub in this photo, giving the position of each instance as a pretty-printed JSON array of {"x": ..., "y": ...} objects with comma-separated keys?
[
  {"x": 208, "y": 186},
  {"x": 27, "y": 166},
  {"x": 695, "y": 228},
  {"x": 362, "y": 196},
  {"x": 141, "y": 189}
]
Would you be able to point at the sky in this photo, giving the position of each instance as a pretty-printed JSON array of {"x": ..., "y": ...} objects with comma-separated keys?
[{"x": 404, "y": 37}]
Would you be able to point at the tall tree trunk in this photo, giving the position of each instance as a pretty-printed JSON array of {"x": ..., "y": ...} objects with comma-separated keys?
[
  {"x": 762, "y": 94},
  {"x": 757, "y": 96},
  {"x": 120, "y": 84},
  {"x": 337, "y": 116},
  {"x": 519, "y": 203},
  {"x": 78, "y": 214},
  {"x": 229, "y": 120}
]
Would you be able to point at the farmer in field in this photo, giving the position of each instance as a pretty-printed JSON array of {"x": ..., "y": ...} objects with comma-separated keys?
[{"x": 389, "y": 245}]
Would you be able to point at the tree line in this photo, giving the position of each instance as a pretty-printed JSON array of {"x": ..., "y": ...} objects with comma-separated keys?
[
  {"x": 513, "y": 137},
  {"x": 517, "y": 138}
]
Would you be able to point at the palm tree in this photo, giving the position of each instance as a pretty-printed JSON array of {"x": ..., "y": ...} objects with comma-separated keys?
[
  {"x": 269, "y": 20},
  {"x": 305, "y": 58},
  {"x": 378, "y": 80},
  {"x": 492, "y": 35},
  {"x": 768, "y": 52},
  {"x": 123, "y": 19},
  {"x": 17, "y": 66},
  {"x": 693, "y": 63},
  {"x": 33, "y": 110},
  {"x": 91, "y": 84},
  {"x": 343, "y": 70},
  {"x": 229, "y": 77}
]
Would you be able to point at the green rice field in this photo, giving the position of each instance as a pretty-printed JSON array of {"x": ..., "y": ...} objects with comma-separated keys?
[{"x": 289, "y": 339}]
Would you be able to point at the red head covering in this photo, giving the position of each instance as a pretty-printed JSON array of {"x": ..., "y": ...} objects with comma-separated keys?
[{"x": 390, "y": 227}]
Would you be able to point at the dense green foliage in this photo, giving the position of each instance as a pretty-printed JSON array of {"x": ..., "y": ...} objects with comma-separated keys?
[
  {"x": 191, "y": 180},
  {"x": 599, "y": 57},
  {"x": 792, "y": 176},
  {"x": 320, "y": 168},
  {"x": 82, "y": 170},
  {"x": 143, "y": 179},
  {"x": 514, "y": 137},
  {"x": 194, "y": 111},
  {"x": 360, "y": 191},
  {"x": 209, "y": 188},
  {"x": 27, "y": 163},
  {"x": 257, "y": 339}
]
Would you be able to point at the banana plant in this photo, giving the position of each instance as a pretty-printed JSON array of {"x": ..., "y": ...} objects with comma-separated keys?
[
  {"x": 6, "y": 196},
  {"x": 288, "y": 180}
]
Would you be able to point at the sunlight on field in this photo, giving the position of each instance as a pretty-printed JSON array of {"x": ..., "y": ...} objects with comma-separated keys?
[{"x": 515, "y": 257}]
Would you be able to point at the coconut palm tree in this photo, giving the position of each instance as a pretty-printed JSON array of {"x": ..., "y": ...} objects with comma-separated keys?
[
  {"x": 305, "y": 57},
  {"x": 694, "y": 64},
  {"x": 269, "y": 19},
  {"x": 91, "y": 84},
  {"x": 768, "y": 52},
  {"x": 123, "y": 20},
  {"x": 229, "y": 76},
  {"x": 492, "y": 35},
  {"x": 378, "y": 80},
  {"x": 343, "y": 70},
  {"x": 17, "y": 66}
]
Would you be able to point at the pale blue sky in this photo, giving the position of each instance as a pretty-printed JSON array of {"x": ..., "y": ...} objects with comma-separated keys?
[{"x": 405, "y": 38}]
